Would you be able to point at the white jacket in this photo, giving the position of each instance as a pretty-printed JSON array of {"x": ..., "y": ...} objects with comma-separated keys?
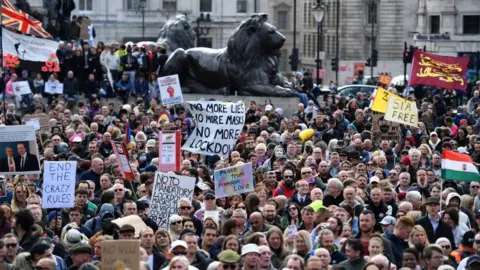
[{"x": 112, "y": 61}]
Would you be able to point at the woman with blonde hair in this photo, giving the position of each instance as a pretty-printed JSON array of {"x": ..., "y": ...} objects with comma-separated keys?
[
  {"x": 179, "y": 263},
  {"x": 425, "y": 155},
  {"x": 20, "y": 195},
  {"x": 97, "y": 247},
  {"x": 375, "y": 246},
  {"x": 302, "y": 243},
  {"x": 418, "y": 236},
  {"x": 414, "y": 214}
]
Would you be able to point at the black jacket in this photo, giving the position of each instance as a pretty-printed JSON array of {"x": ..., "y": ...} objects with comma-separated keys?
[
  {"x": 398, "y": 246},
  {"x": 70, "y": 86},
  {"x": 443, "y": 230}
]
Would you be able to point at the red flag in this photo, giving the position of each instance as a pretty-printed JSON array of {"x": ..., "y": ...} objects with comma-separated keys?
[
  {"x": 21, "y": 21},
  {"x": 440, "y": 71}
]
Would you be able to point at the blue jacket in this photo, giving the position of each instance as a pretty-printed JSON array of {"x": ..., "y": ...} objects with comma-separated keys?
[
  {"x": 123, "y": 84},
  {"x": 61, "y": 265},
  {"x": 106, "y": 211},
  {"x": 141, "y": 88}
]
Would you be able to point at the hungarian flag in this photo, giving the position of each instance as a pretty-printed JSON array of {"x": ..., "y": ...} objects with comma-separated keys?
[
  {"x": 456, "y": 166},
  {"x": 21, "y": 21},
  {"x": 439, "y": 71}
]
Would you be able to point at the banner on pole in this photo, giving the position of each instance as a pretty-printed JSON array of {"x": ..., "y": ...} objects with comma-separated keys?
[
  {"x": 121, "y": 153},
  {"x": 170, "y": 153}
]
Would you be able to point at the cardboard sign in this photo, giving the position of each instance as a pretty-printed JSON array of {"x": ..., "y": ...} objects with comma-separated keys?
[
  {"x": 168, "y": 189},
  {"x": 170, "y": 151},
  {"x": 218, "y": 126},
  {"x": 59, "y": 184},
  {"x": 402, "y": 111},
  {"x": 54, "y": 87},
  {"x": 121, "y": 153},
  {"x": 126, "y": 251},
  {"x": 170, "y": 90},
  {"x": 383, "y": 129},
  {"x": 19, "y": 153},
  {"x": 233, "y": 180},
  {"x": 21, "y": 88},
  {"x": 380, "y": 101},
  {"x": 133, "y": 220},
  {"x": 42, "y": 118},
  {"x": 35, "y": 123},
  {"x": 385, "y": 79},
  {"x": 84, "y": 35}
]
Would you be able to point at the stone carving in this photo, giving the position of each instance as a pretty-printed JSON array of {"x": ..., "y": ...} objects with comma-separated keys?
[{"x": 249, "y": 64}]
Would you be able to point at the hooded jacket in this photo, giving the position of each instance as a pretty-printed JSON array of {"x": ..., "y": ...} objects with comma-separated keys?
[
  {"x": 463, "y": 218},
  {"x": 107, "y": 211}
]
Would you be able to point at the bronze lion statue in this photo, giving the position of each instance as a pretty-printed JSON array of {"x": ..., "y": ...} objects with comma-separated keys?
[
  {"x": 177, "y": 33},
  {"x": 249, "y": 64}
]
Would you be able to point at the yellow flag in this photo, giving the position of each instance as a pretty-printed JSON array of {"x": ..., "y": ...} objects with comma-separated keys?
[{"x": 380, "y": 102}]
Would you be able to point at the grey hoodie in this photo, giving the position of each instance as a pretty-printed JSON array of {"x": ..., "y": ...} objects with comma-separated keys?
[{"x": 106, "y": 211}]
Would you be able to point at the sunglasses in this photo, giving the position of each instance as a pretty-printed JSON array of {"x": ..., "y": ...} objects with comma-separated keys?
[
  {"x": 177, "y": 253},
  {"x": 446, "y": 247},
  {"x": 185, "y": 207},
  {"x": 477, "y": 241},
  {"x": 14, "y": 245},
  {"x": 117, "y": 190},
  {"x": 176, "y": 222},
  {"x": 288, "y": 176},
  {"x": 209, "y": 198},
  {"x": 229, "y": 266}
]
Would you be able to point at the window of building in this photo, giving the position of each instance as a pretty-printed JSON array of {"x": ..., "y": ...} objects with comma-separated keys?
[
  {"x": 132, "y": 4},
  {"x": 372, "y": 13},
  {"x": 282, "y": 19},
  {"x": 434, "y": 24},
  {"x": 85, "y": 5},
  {"x": 471, "y": 24},
  {"x": 205, "y": 5},
  {"x": 170, "y": 5},
  {"x": 241, "y": 6}
]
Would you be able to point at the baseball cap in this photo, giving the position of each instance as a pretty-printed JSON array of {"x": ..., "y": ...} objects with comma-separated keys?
[
  {"x": 126, "y": 228},
  {"x": 178, "y": 243},
  {"x": 432, "y": 200},
  {"x": 468, "y": 239},
  {"x": 473, "y": 260},
  {"x": 249, "y": 248},
  {"x": 268, "y": 108},
  {"x": 388, "y": 220}
]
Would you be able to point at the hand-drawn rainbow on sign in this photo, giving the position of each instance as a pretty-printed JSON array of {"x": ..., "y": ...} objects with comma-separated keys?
[{"x": 233, "y": 180}]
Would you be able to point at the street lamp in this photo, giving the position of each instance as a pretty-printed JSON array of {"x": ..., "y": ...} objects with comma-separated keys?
[
  {"x": 318, "y": 11},
  {"x": 143, "y": 5},
  {"x": 203, "y": 26}
]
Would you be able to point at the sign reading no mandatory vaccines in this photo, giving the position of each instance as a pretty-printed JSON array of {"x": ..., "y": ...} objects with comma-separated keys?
[
  {"x": 218, "y": 126},
  {"x": 59, "y": 184},
  {"x": 168, "y": 189},
  {"x": 170, "y": 90}
]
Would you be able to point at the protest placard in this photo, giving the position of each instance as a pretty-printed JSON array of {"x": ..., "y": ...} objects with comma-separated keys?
[
  {"x": 383, "y": 129},
  {"x": 217, "y": 128},
  {"x": 20, "y": 150},
  {"x": 54, "y": 87},
  {"x": 59, "y": 184},
  {"x": 126, "y": 251},
  {"x": 170, "y": 152},
  {"x": 380, "y": 101},
  {"x": 168, "y": 189},
  {"x": 35, "y": 123},
  {"x": 233, "y": 180},
  {"x": 121, "y": 153},
  {"x": 21, "y": 88},
  {"x": 385, "y": 79},
  {"x": 402, "y": 111},
  {"x": 170, "y": 90},
  {"x": 43, "y": 119}
]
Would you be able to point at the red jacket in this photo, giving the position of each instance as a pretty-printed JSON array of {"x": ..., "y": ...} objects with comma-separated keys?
[{"x": 283, "y": 190}]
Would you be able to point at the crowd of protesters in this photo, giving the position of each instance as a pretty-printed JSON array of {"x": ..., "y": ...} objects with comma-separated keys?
[{"x": 338, "y": 199}]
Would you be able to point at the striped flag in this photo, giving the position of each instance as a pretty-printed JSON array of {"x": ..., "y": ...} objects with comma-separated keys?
[
  {"x": 456, "y": 166},
  {"x": 21, "y": 21}
]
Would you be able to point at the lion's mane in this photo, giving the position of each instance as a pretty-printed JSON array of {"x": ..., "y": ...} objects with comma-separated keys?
[{"x": 177, "y": 33}]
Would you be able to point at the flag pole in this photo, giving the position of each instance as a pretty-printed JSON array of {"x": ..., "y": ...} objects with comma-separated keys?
[
  {"x": 3, "y": 67},
  {"x": 441, "y": 193}
]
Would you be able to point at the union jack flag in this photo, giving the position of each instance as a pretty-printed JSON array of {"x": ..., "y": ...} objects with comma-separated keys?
[{"x": 21, "y": 21}]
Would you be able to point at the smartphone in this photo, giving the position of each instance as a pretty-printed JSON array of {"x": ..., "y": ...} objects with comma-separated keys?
[{"x": 291, "y": 231}]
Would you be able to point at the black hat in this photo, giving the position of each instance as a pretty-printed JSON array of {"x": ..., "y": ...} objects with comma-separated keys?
[
  {"x": 209, "y": 192},
  {"x": 432, "y": 200},
  {"x": 126, "y": 228},
  {"x": 81, "y": 248},
  {"x": 468, "y": 239},
  {"x": 353, "y": 154},
  {"x": 473, "y": 260}
]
